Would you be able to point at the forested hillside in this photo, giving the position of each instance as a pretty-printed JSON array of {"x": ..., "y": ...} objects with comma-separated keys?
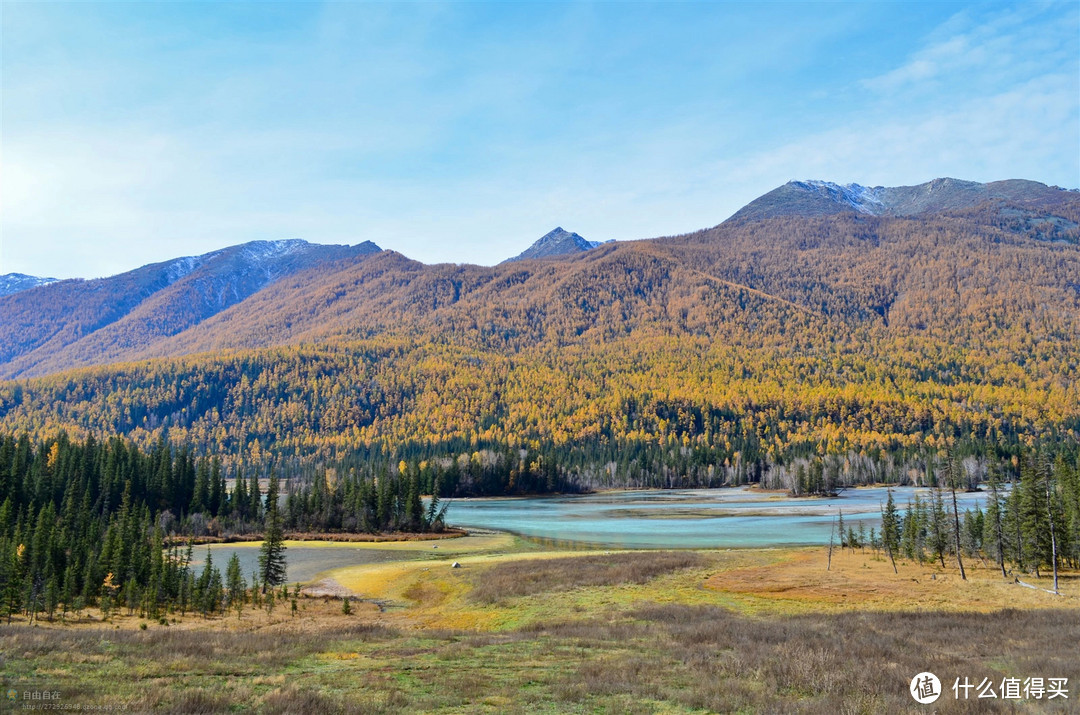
[
  {"x": 75, "y": 322},
  {"x": 850, "y": 345}
]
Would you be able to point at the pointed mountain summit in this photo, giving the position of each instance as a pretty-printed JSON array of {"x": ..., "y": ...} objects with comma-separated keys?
[
  {"x": 558, "y": 242},
  {"x": 825, "y": 198},
  {"x": 15, "y": 282}
]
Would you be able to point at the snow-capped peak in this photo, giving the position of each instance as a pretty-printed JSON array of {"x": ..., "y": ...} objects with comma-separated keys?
[
  {"x": 15, "y": 282},
  {"x": 864, "y": 199},
  {"x": 257, "y": 250}
]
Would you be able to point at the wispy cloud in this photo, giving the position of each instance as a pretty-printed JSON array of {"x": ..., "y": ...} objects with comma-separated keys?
[
  {"x": 1028, "y": 131},
  {"x": 1002, "y": 47},
  {"x": 463, "y": 132}
]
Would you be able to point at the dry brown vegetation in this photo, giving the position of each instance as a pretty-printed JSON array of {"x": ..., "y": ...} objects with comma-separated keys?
[
  {"x": 797, "y": 581},
  {"x": 526, "y": 578},
  {"x": 670, "y": 657},
  {"x": 862, "y": 662},
  {"x": 636, "y": 632}
]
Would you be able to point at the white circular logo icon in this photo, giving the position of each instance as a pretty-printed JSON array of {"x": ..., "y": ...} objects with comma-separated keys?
[{"x": 925, "y": 688}]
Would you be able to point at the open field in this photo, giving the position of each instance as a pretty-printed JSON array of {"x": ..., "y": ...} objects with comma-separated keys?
[
  {"x": 517, "y": 629},
  {"x": 797, "y": 582}
]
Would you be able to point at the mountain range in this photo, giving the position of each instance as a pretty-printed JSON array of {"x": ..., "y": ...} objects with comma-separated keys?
[
  {"x": 80, "y": 322},
  {"x": 827, "y": 315},
  {"x": 212, "y": 301}
]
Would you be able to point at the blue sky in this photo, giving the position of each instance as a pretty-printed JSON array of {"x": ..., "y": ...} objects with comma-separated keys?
[{"x": 461, "y": 132}]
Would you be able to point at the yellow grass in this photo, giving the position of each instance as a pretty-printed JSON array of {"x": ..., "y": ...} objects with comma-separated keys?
[
  {"x": 432, "y": 592},
  {"x": 798, "y": 581},
  {"x": 314, "y": 613}
]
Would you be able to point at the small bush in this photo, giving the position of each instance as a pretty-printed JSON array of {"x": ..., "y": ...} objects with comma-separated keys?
[
  {"x": 198, "y": 701},
  {"x": 291, "y": 700}
]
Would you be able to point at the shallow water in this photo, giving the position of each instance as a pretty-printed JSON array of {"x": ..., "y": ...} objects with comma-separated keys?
[
  {"x": 685, "y": 518},
  {"x": 302, "y": 563}
]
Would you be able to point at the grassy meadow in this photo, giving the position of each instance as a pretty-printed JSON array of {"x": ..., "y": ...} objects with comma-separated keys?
[{"x": 520, "y": 627}]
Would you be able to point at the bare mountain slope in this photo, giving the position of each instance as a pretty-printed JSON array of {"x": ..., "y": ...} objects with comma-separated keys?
[{"x": 932, "y": 275}]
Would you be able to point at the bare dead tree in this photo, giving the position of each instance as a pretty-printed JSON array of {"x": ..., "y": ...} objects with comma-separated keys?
[
  {"x": 832, "y": 534},
  {"x": 951, "y": 471},
  {"x": 1047, "y": 477}
]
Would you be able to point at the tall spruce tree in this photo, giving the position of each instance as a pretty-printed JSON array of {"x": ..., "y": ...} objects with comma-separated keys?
[
  {"x": 272, "y": 567},
  {"x": 939, "y": 527},
  {"x": 994, "y": 521},
  {"x": 255, "y": 509},
  {"x": 1046, "y": 472},
  {"x": 235, "y": 584},
  {"x": 1033, "y": 521},
  {"x": 890, "y": 530},
  {"x": 200, "y": 501}
]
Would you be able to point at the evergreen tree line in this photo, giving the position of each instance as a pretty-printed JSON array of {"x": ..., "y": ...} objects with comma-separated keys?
[
  {"x": 102, "y": 523},
  {"x": 1030, "y": 521}
]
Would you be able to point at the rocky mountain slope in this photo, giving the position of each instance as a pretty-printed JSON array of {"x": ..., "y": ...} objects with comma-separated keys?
[{"x": 557, "y": 242}]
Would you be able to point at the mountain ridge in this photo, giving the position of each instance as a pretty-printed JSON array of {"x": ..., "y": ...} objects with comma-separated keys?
[
  {"x": 822, "y": 198},
  {"x": 735, "y": 351},
  {"x": 16, "y": 282},
  {"x": 76, "y": 321},
  {"x": 265, "y": 294}
]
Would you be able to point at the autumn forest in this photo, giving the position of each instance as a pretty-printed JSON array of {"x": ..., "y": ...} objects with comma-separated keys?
[{"x": 750, "y": 352}]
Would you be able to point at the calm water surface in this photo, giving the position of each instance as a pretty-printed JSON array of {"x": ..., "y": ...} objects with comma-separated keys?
[
  {"x": 691, "y": 518},
  {"x": 302, "y": 563}
]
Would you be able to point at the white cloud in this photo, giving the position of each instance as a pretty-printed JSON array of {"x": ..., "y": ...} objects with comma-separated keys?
[{"x": 1029, "y": 131}]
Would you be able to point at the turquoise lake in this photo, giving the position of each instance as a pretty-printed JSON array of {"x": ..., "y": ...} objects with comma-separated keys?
[
  {"x": 653, "y": 519},
  {"x": 691, "y": 518}
]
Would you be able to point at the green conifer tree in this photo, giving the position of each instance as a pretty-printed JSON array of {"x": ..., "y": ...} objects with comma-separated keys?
[{"x": 272, "y": 567}]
